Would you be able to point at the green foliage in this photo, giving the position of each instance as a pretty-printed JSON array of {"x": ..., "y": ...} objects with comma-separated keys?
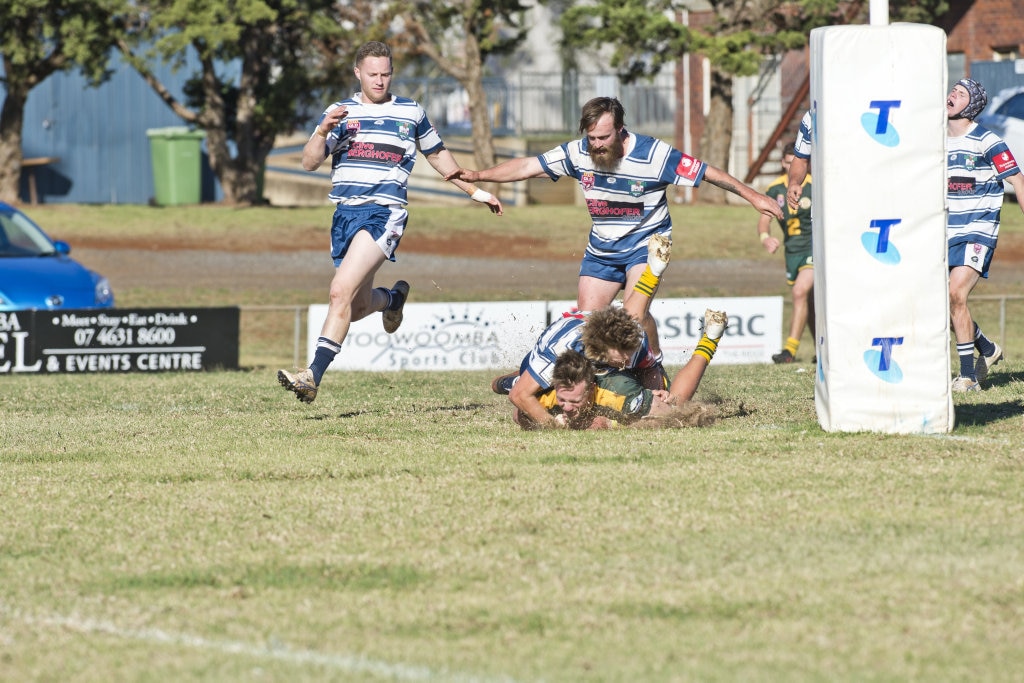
[
  {"x": 263, "y": 66},
  {"x": 277, "y": 45},
  {"x": 644, "y": 35},
  {"x": 39, "y": 37},
  {"x": 495, "y": 26},
  {"x": 918, "y": 11},
  {"x": 640, "y": 34}
]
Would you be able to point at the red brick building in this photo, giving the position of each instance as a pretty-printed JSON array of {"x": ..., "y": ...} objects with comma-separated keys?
[
  {"x": 976, "y": 30},
  {"x": 982, "y": 31}
]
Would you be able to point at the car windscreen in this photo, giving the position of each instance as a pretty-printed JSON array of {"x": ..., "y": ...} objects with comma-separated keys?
[
  {"x": 1013, "y": 107},
  {"x": 20, "y": 237}
]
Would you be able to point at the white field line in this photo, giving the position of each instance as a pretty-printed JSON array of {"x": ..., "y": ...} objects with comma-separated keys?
[{"x": 274, "y": 651}]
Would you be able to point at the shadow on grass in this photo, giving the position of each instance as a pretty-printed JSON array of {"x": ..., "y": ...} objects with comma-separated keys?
[
  {"x": 1001, "y": 379},
  {"x": 976, "y": 415}
]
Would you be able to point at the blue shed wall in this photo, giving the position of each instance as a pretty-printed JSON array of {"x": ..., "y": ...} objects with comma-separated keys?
[{"x": 99, "y": 134}]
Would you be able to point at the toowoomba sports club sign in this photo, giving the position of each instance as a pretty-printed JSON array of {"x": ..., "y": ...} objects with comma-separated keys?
[{"x": 498, "y": 334}]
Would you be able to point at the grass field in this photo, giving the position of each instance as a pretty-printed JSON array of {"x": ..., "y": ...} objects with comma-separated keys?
[{"x": 210, "y": 527}]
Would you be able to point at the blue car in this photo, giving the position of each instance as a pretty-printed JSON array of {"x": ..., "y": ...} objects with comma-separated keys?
[{"x": 36, "y": 272}]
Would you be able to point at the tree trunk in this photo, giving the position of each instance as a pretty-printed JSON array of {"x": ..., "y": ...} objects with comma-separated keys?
[
  {"x": 12, "y": 117},
  {"x": 239, "y": 175},
  {"x": 716, "y": 140},
  {"x": 479, "y": 112}
]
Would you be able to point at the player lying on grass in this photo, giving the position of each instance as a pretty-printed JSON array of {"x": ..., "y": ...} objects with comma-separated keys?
[
  {"x": 611, "y": 338},
  {"x": 582, "y": 398}
]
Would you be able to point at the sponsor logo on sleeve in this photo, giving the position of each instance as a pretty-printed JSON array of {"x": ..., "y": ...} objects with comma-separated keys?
[
  {"x": 688, "y": 167},
  {"x": 1004, "y": 162}
]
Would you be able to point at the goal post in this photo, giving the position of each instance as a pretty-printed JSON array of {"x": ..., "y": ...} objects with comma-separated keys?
[{"x": 879, "y": 225}]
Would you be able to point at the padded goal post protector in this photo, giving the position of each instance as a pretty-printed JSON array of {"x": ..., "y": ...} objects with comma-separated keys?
[{"x": 880, "y": 262}]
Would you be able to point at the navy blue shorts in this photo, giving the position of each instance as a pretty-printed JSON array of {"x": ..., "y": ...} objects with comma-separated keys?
[
  {"x": 386, "y": 224},
  {"x": 612, "y": 270},
  {"x": 972, "y": 255}
]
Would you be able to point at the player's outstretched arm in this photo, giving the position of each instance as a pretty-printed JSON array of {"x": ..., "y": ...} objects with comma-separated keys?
[
  {"x": 524, "y": 397},
  {"x": 763, "y": 203},
  {"x": 795, "y": 181},
  {"x": 443, "y": 162},
  {"x": 764, "y": 227},
  {"x": 505, "y": 172}
]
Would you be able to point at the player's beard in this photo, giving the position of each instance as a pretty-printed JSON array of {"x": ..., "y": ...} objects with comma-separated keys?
[{"x": 607, "y": 158}]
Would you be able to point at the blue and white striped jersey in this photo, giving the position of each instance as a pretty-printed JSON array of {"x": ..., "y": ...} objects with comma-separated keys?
[
  {"x": 564, "y": 334},
  {"x": 374, "y": 150},
  {"x": 977, "y": 164},
  {"x": 803, "y": 144},
  {"x": 627, "y": 205}
]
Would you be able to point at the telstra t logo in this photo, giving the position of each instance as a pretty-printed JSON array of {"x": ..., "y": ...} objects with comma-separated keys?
[
  {"x": 880, "y": 362},
  {"x": 877, "y": 243},
  {"x": 878, "y": 125}
]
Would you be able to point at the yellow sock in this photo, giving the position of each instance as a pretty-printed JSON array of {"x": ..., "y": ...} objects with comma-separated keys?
[
  {"x": 647, "y": 283},
  {"x": 706, "y": 347},
  {"x": 791, "y": 345}
]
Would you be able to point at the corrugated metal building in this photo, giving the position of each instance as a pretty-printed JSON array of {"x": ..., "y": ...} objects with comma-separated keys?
[{"x": 99, "y": 136}]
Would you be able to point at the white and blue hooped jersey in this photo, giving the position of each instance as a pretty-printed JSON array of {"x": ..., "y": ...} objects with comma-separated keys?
[
  {"x": 564, "y": 334},
  {"x": 626, "y": 205},
  {"x": 374, "y": 149},
  {"x": 802, "y": 146},
  {"x": 978, "y": 162}
]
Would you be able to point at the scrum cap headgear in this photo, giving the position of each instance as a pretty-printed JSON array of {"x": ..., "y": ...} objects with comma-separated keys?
[{"x": 979, "y": 100}]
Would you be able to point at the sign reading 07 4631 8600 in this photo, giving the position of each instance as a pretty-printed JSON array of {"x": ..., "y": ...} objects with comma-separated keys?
[{"x": 118, "y": 340}]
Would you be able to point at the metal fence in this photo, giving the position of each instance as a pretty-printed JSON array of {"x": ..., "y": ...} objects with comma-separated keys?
[{"x": 537, "y": 103}]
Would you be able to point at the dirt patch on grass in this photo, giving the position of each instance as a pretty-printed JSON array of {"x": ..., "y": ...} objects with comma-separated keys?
[
  {"x": 466, "y": 265},
  {"x": 468, "y": 243}
]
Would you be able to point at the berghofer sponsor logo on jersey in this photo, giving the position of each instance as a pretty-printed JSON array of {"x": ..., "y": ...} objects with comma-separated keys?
[
  {"x": 370, "y": 151},
  {"x": 961, "y": 185},
  {"x": 600, "y": 208}
]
